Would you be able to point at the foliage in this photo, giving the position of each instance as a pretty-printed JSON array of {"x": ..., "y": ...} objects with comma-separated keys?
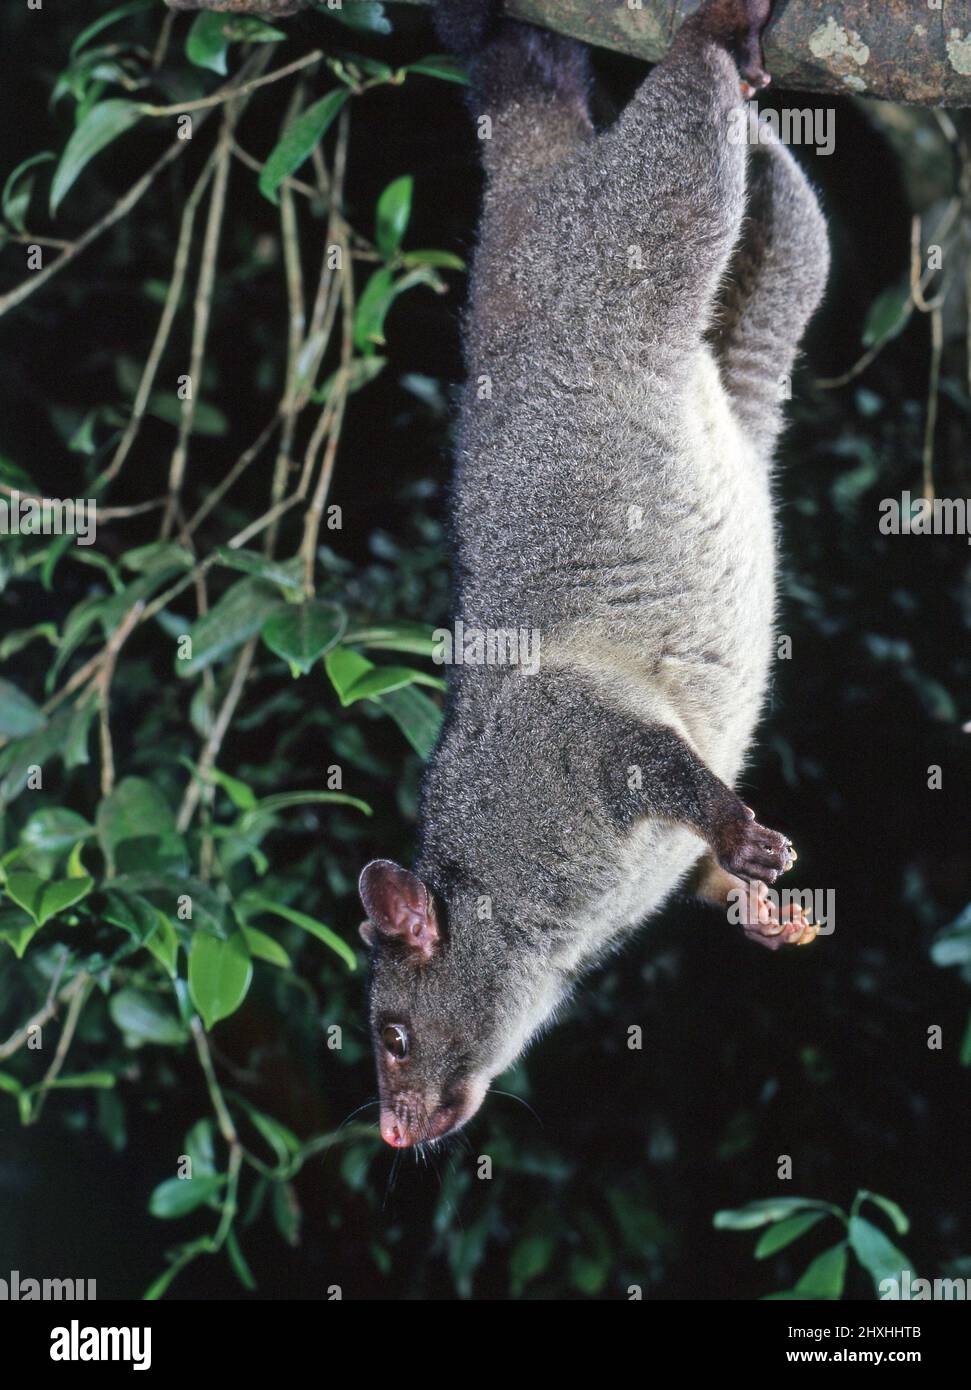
[{"x": 789, "y": 1218}]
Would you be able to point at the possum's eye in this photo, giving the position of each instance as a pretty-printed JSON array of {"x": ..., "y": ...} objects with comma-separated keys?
[{"x": 395, "y": 1039}]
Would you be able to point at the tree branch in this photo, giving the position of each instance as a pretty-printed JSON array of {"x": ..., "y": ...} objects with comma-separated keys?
[{"x": 896, "y": 49}]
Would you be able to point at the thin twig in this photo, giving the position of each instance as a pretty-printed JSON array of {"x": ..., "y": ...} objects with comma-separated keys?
[
  {"x": 228, "y": 93},
  {"x": 172, "y": 298},
  {"x": 210, "y": 752},
  {"x": 937, "y": 349},
  {"x": 43, "y": 1015},
  {"x": 203, "y": 311},
  {"x": 77, "y": 1003},
  {"x": 238, "y": 468}
]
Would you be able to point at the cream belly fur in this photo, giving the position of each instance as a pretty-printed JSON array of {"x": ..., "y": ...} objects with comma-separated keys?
[
  {"x": 709, "y": 686},
  {"x": 700, "y": 665}
]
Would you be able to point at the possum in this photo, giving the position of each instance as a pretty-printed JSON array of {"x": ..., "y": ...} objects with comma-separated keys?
[{"x": 637, "y": 296}]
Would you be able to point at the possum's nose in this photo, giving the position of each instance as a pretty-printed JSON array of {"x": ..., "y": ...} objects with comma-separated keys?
[
  {"x": 401, "y": 1132},
  {"x": 393, "y": 1130}
]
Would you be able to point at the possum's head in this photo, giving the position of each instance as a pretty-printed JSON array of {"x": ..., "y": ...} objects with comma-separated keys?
[{"x": 446, "y": 1017}]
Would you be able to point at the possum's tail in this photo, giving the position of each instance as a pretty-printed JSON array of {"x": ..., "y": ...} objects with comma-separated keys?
[{"x": 530, "y": 85}]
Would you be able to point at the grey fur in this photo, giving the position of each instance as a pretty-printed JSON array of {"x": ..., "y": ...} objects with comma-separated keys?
[{"x": 614, "y": 384}]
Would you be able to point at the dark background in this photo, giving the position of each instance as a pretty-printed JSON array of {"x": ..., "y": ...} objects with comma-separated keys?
[{"x": 819, "y": 1054}]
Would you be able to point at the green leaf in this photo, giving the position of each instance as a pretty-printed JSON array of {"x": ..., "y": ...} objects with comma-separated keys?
[
  {"x": 777, "y": 1237},
  {"x": 441, "y": 65},
  {"x": 200, "y": 1148},
  {"x": 239, "y": 615},
  {"x": 393, "y": 214},
  {"x": 207, "y": 419},
  {"x": 105, "y": 20},
  {"x": 299, "y": 141},
  {"x": 178, "y": 1196},
  {"x": 103, "y": 123},
  {"x": 55, "y": 829},
  {"x": 281, "y": 801},
  {"x": 394, "y": 637},
  {"x": 82, "y": 1080},
  {"x": 878, "y": 1255},
  {"x": 888, "y": 315},
  {"x": 75, "y": 866},
  {"x": 289, "y": 574},
  {"x": 358, "y": 373},
  {"x": 383, "y": 679},
  {"x": 896, "y": 1213},
  {"x": 240, "y": 794},
  {"x": 368, "y": 15},
  {"x": 159, "y": 555},
  {"x": 76, "y": 743},
  {"x": 286, "y": 1212},
  {"x": 238, "y": 1261},
  {"x": 756, "y": 1214},
  {"x": 15, "y": 201},
  {"x": 441, "y": 260},
  {"x": 219, "y": 975},
  {"x": 163, "y": 943},
  {"x": 17, "y": 759},
  {"x": 142, "y": 1018},
  {"x": 255, "y": 903},
  {"x": 824, "y": 1277},
  {"x": 344, "y": 666},
  {"x": 416, "y": 716},
  {"x": 380, "y": 292},
  {"x": 372, "y": 309},
  {"x": 19, "y": 716},
  {"x": 41, "y": 900},
  {"x": 302, "y": 633},
  {"x": 211, "y": 34},
  {"x": 530, "y": 1258},
  {"x": 136, "y": 812},
  {"x": 17, "y": 930},
  {"x": 263, "y": 947},
  {"x": 281, "y": 1140},
  {"x": 16, "y": 641}
]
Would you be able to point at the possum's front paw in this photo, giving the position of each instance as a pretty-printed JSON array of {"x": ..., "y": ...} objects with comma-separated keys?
[
  {"x": 762, "y": 921},
  {"x": 742, "y": 846}
]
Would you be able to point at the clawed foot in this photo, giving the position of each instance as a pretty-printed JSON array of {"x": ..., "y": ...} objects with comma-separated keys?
[
  {"x": 738, "y": 24},
  {"x": 762, "y": 921},
  {"x": 742, "y": 846}
]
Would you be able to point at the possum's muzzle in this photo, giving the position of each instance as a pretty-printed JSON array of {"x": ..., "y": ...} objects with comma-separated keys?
[{"x": 408, "y": 1119}]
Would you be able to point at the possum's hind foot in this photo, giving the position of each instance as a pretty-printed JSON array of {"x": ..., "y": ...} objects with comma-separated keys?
[
  {"x": 742, "y": 846},
  {"x": 754, "y": 907},
  {"x": 738, "y": 24},
  {"x": 762, "y": 922}
]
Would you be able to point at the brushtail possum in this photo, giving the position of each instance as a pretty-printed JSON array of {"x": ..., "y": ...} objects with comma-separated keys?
[{"x": 637, "y": 297}]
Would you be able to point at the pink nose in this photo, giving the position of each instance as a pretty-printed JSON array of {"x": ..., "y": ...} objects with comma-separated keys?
[{"x": 393, "y": 1131}]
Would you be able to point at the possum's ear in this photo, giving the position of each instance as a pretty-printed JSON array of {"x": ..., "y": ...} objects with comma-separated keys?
[{"x": 399, "y": 908}]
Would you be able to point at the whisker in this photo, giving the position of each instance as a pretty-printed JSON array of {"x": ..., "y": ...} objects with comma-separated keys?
[
  {"x": 494, "y": 1092},
  {"x": 367, "y": 1104}
]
